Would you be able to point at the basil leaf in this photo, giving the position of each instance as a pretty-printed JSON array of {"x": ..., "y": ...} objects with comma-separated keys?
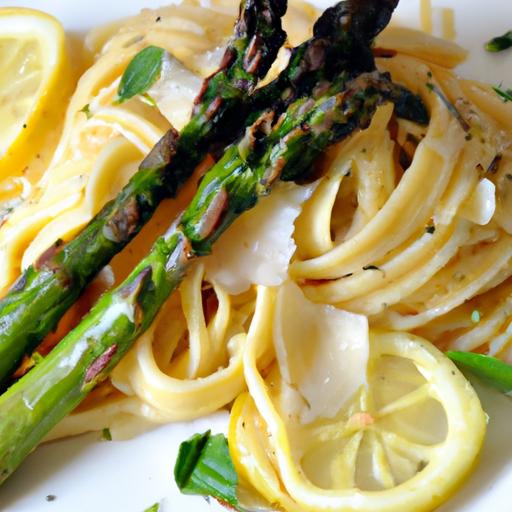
[
  {"x": 495, "y": 372},
  {"x": 154, "y": 508},
  {"x": 500, "y": 43},
  {"x": 142, "y": 72},
  {"x": 204, "y": 467}
]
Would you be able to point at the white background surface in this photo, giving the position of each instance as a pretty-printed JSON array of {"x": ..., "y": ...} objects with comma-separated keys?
[{"x": 87, "y": 475}]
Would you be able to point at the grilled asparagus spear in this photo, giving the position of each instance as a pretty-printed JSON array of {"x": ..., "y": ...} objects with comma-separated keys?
[
  {"x": 273, "y": 147},
  {"x": 341, "y": 40},
  {"x": 46, "y": 289}
]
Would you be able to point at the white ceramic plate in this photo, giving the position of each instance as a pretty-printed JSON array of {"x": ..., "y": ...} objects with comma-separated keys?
[{"x": 86, "y": 475}]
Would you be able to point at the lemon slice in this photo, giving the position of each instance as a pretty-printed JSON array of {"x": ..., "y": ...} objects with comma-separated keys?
[
  {"x": 403, "y": 443},
  {"x": 35, "y": 81}
]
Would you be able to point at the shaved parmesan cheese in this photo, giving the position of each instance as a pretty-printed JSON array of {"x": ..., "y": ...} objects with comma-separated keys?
[
  {"x": 208, "y": 62},
  {"x": 482, "y": 204},
  {"x": 322, "y": 352},
  {"x": 175, "y": 90},
  {"x": 258, "y": 247}
]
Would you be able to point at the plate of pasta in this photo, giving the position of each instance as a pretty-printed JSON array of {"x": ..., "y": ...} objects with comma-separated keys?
[{"x": 255, "y": 256}]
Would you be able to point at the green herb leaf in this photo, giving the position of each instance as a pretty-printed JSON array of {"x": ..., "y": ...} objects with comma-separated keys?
[
  {"x": 504, "y": 95},
  {"x": 106, "y": 434},
  {"x": 500, "y": 43},
  {"x": 142, "y": 72},
  {"x": 86, "y": 110},
  {"x": 495, "y": 372},
  {"x": 204, "y": 467},
  {"x": 154, "y": 508}
]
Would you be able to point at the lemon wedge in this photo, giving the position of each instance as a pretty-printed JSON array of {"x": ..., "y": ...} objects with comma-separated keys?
[
  {"x": 35, "y": 81},
  {"x": 404, "y": 442}
]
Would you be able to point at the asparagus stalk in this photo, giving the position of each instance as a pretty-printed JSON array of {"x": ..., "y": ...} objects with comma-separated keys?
[
  {"x": 341, "y": 40},
  {"x": 272, "y": 147},
  {"x": 46, "y": 289}
]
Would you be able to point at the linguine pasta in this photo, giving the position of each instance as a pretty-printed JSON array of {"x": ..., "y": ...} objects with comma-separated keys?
[{"x": 407, "y": 229}]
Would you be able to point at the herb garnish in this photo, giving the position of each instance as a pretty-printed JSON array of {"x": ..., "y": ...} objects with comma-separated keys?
[
  {"x": 204, "y": 467},
  {"x": 154, "y": 508},
  {"x": 500, "y": 43},
  {"x": 106, "y": 434},
  {"x": 86, "y": 110},
  {"x": 505, "y": 95},
  {"x": 371, "y": 267},
  {"x": 430, "y": 229},
  {"x": 141, "y": 73}
]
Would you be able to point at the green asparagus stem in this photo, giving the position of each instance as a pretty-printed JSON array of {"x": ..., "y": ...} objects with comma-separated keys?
[
  {"x": 272, "y": 147},
  {"x": 493, "y": 371},
  {"x": 43, "y": 293},
  {"x": 341, "y": 39}
]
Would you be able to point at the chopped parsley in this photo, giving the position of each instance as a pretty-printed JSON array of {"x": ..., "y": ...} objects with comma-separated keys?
[
  {"x": 86, "y": 110},
  {"x": 106, "y": 434},
  {"x": 153, "y": 508}
]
